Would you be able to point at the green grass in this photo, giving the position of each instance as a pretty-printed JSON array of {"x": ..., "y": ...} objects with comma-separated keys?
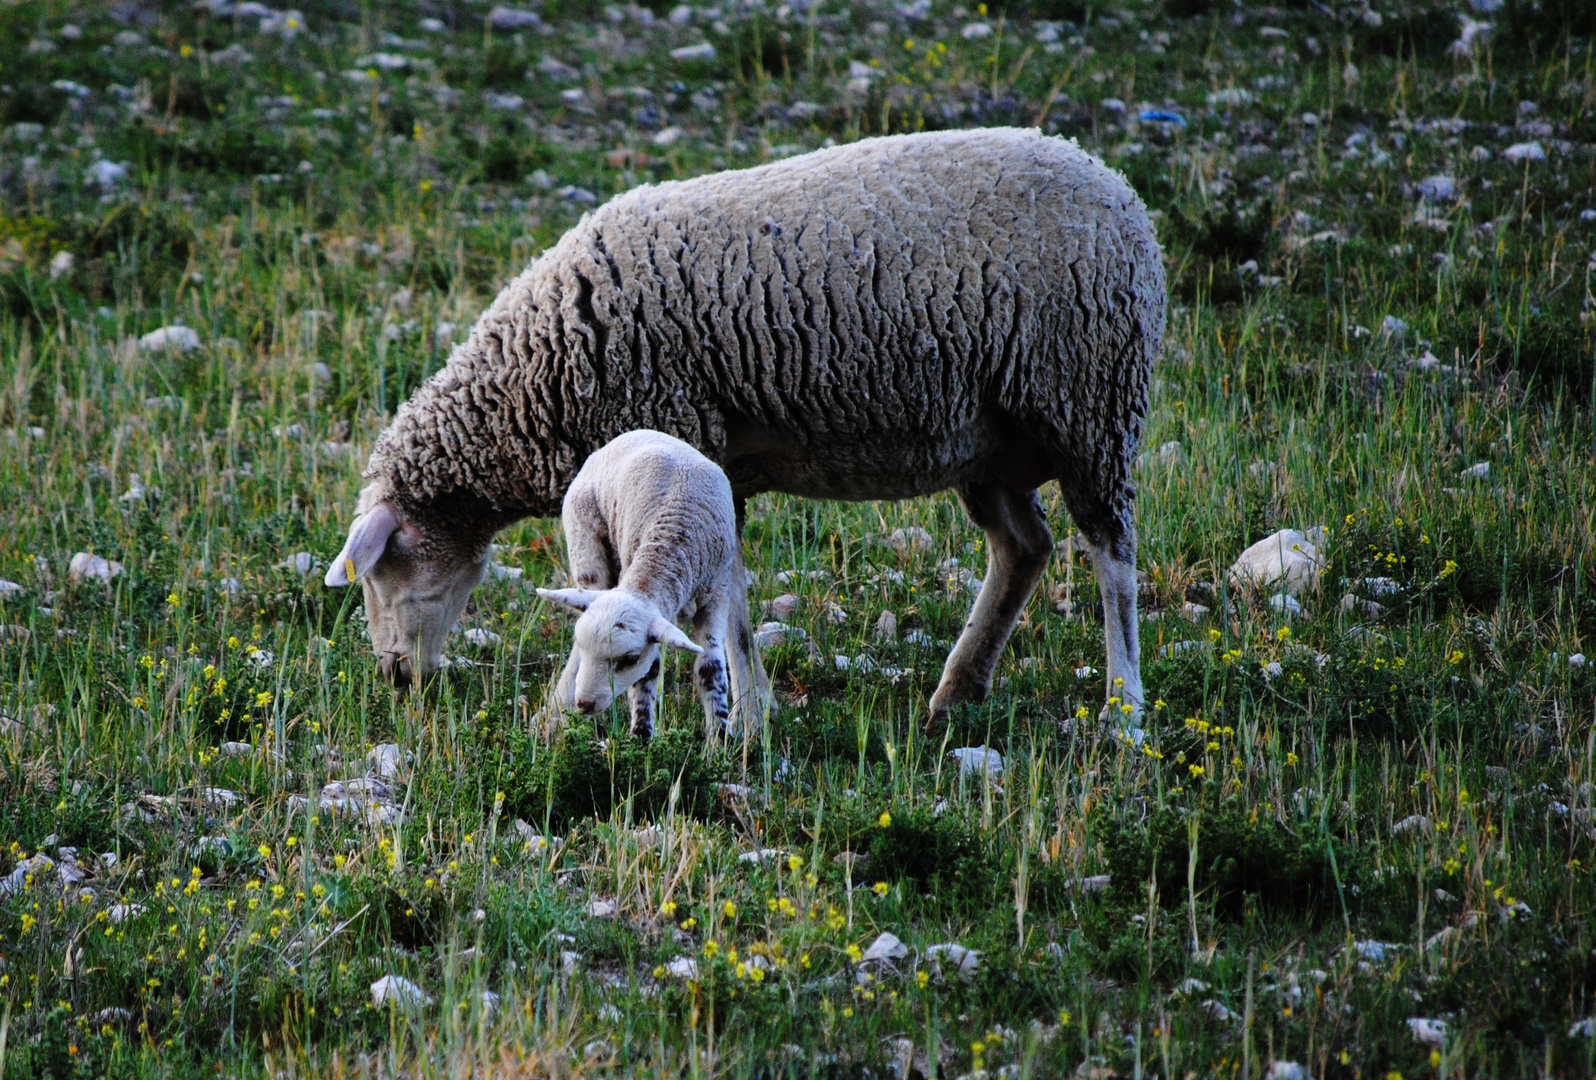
[{"x": 1253, "y": 846}]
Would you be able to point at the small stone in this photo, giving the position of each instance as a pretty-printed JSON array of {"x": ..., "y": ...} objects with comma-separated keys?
[
  {"x": 701, "y": 51},
  {"x": 1288, "y": 559},
  {"x": 683, "y": 967},
  {"x": 887, "y": 628},
  {"x": 385, "y": 761},
  {"x": 1431, "y": 1033},
  {"x": 302, "y": 563},
  {"x": 86, "y": 567},
  {"x": 10, "y": 590},
  {"x": 1369, "y": 609},
  {"x": 771, "y": 634},
  {"x": 1288, "y": 1070},
  {"x": 602, "y": 909},
  {"x": 1478, "y": 471},
  {"x": 911, "y": 539},
  {"x": 1285, "y": 604},
  {"x": 179, "y": 338},
  {"x": 976, "y": 760},
  {"x": 1415, "y": 823},
  {"x": 1096, "y": 883},
  {"x": 400, "y": 991},
  {"x": 781, "y": 608},
  {"x": 884, "y": 949},
  {"x": 953, "y": 958}
]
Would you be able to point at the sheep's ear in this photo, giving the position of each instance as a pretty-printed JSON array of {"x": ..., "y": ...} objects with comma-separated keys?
[
  {"x": 577, "y": 600},
  {"x": 368, "y": 538},
  {"x": 666, "y": 632}
]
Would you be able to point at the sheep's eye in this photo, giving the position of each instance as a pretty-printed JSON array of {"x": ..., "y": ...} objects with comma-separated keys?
[{"x": 629, "y": 660}]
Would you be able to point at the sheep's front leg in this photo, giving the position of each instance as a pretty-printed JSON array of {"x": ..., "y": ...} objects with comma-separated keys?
[
  {"x": 1115, "y": 567},
  {"x": 642, "y": 697},
  {"x": 1018, "y": 546},
  {"x": 709, "y": 631}
]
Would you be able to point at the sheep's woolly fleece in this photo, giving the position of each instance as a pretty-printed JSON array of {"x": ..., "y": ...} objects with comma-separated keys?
[{"x": 880, "y": 320}]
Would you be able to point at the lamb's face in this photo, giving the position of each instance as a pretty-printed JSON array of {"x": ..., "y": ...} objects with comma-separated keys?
[
  {"x": 613, "y": 650},
  {"x": 618, "y": 638},
  {"x": 416, "y": 588}
]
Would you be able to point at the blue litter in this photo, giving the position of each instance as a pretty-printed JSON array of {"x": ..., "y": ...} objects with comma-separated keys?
[{"x": 1160, "y": 116}]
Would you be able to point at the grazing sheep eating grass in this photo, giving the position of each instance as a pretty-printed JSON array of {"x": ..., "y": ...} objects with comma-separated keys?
[
  {"x": 976, "y": 310},
  {"x": 651, "y": 530}
]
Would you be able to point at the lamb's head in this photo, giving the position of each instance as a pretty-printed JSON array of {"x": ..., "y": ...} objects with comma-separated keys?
[
  {"x": 417, "y": 579},
  {"x": 618, "y": 635}
]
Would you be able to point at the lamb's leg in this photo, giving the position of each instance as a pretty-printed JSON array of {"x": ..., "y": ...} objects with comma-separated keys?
[
  {"x": 1018, "y": 546},
  {"x": 642, "y": 697},
  {"x": 709, "y": 631},
  {"x": 1115, "y": 566},
  {"x": 751, "y": 696}
]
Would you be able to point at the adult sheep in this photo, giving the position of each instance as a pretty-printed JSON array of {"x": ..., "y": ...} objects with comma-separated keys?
[{"x": 975, "y": 310}]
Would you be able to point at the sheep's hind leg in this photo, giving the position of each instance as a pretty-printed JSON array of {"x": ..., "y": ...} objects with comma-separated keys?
[
  {"x": 642, "y": 697},
  {"x": 751, "y": 697},
  {"x": 1018, "y": 546}
]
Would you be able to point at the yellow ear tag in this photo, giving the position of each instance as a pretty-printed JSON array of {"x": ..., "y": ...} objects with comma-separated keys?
[{"x": 349, "y": 570}]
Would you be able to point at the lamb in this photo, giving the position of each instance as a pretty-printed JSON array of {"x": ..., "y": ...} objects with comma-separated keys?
[
  {"x": 651, "y": 530},
  {"x": 976, "y": 310}
]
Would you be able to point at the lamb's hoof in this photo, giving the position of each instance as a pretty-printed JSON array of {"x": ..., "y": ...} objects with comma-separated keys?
[{"x": 951, "y": 693}]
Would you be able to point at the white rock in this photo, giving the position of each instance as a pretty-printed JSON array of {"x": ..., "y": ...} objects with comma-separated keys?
[
  {"x": 481, "y": 637},
  {"x": 764, "y": 856},
  {"x": 1287, "y": 559},
  {"x": 10, "y": 590},
  {"x": 180, "y": 338},
  {"x": 1431, "y": 1033},
  {"x": 86, "y": 567},
  {"x": 302, "y": 563},
  {"x": 1285, "y": 604},
  {"x": 119, "y": 913},
  {"x": 107, "y": 174},
  {"x": 385, "y": 761},
  {"x": 1193, "y": 612},
  {"x": 602, "y": 909},
  {"x": 1393, "y": 328},
  {"x": 910, "y": 539},
  {"x": 683, "y": 967},
  {"x": 400, "y": 991},
  {"x": 1287, "y": 1070},
  {"x": 509, "y": 18},
  {"x": 1478, "y": 471},
  {"x": 886, "y": 627},
  {"x": 978, "y": 759},
  {"x": 1218, "y": 1011},
  {"x": 953, "y": 958},
  {"x": 1096, "y": 883},
  {"x": 1369, "y": 609},
  {"x": 667, "y": 136},
  {"x": 1414, "y": 823},
  {"x": 781, "y": 608},
  {"x": 237, "y": 749},
  {"x": 1375, "y": 951},
  {"x": 1189, "y": 986},
  {"x": 702, "y": 51},
  {"x": 1525, "y": 151},
  {"x": 884, "y": 949},
  {"x": 976, "y": 31},
  {"x": 569, "y": 961},
  {"x": 1085, "y": 671},
  {"x": 921, "y": 638},
  {"x": 60, "y": 265},
  {"x": 771, "y": 634},
  {"x": 1584, "y": 1029},
  {"x": 490, "y": 1002},
  {"x": 1437, "y": 189},
  {"x": 17, "y": 880},
  {"x": 1576, "y": 659}
]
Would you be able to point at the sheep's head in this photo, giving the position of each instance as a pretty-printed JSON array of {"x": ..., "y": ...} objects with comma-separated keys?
[
  {"x": 417, "y": 582},
  {"x": 618, "y": 635}
]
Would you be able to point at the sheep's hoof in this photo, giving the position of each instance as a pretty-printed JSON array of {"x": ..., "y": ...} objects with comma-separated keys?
[{"x": 954, "y": 692}]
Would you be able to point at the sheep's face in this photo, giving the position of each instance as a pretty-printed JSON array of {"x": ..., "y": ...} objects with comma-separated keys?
[
  {"x": 415, "y": 586},
  {"x": 618, "y": 636}
]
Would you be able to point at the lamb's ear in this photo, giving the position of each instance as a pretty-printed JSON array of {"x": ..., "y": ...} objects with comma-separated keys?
[
  {"x": 577, "y": 600},
  {"x": 666, "y": 632},
  {"x": 368, "y": 537}
]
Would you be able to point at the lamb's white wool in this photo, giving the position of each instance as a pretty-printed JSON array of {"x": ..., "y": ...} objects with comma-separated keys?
[
  {"x": 976, "y": 310},
  {"x": 651, "y": 531}
]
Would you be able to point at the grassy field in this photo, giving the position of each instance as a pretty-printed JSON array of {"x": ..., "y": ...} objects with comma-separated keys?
[{"x": 1359, "y": 842}]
